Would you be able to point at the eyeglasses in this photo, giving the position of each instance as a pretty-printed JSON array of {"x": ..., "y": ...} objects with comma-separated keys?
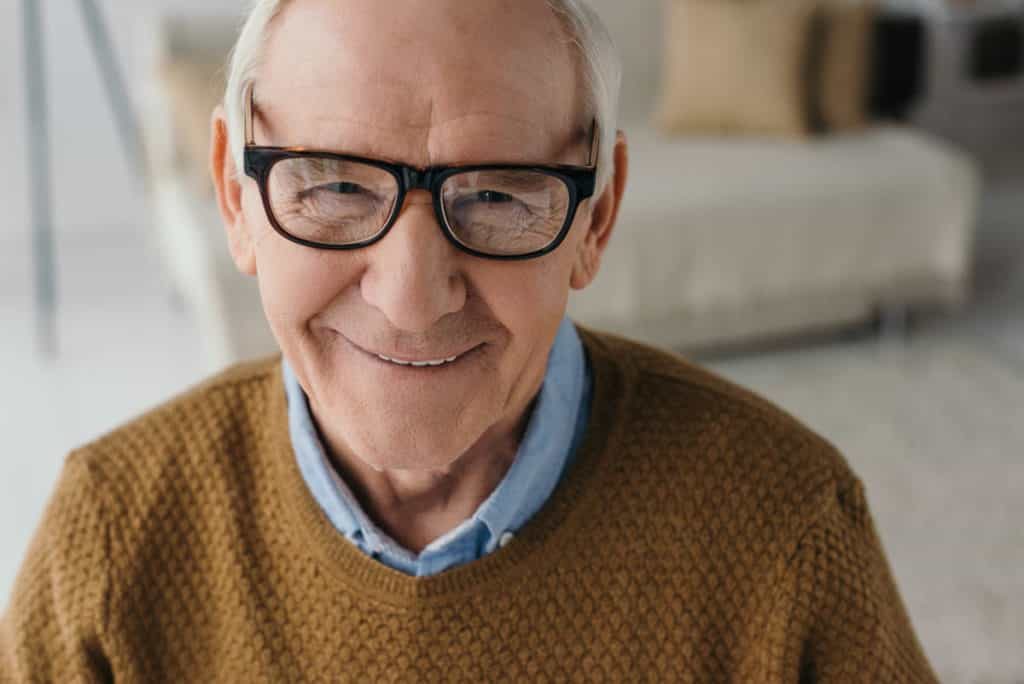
[{"x": 337, "y": 201}]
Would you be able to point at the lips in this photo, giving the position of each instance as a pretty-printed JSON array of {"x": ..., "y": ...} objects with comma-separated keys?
[
  {"x": 421, "y": 361},
  {"x": 419, "y": 364}
]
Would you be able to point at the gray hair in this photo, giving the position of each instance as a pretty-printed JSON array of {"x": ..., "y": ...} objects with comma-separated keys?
[{"x": 600, "y": 64}]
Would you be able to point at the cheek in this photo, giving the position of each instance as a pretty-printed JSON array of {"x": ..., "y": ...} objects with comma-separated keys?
[
  {"x": 529, "y": 298},
  {"x": 296, "y": 282}
]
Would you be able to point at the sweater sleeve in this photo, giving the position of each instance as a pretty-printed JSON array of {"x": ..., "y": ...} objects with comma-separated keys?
[
  {"x": 846, "y": 619},
  {"x": 52, "y": 628}
]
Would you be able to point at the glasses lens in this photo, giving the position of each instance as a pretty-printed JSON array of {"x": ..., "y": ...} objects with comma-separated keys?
[
  {"x": 507, "y": 212},
  {"x": 331, "y": 201}
]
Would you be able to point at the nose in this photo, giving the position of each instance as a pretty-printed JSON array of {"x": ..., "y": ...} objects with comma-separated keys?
[{"x": 412, "y": 274}]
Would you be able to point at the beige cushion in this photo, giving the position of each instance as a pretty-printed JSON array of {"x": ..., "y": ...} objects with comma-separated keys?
[
  {"x": 736, "y": 66},
  {"x": 842, "y": 79},
  {"x": 194, "y": 88}
]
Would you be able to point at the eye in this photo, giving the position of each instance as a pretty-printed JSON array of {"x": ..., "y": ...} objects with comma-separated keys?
[
  {"x": 341, "y": 187},
  {"x": 493, "y": 197},
  {"x": 336, "y": 191}
]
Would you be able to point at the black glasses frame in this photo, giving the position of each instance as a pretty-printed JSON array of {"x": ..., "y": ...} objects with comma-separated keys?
[{"x": 580, "y": 182}]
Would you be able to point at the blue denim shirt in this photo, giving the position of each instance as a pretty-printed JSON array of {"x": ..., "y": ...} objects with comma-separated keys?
[{"x": 552, "y": 436}]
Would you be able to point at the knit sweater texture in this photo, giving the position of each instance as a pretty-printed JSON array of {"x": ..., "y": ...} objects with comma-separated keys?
[{"x": 701, "y": 535}]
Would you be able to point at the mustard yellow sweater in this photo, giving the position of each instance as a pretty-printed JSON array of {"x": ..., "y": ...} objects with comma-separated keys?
[{"x": 701, "y": 535}]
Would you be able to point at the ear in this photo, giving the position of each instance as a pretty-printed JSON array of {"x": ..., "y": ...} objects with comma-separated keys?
[
  {"x": 604, "y": 211},
  {"x": 227, "y": 183}
]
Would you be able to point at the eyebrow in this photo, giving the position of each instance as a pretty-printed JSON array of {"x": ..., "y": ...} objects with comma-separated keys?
[{"x": 579, "y": 135}]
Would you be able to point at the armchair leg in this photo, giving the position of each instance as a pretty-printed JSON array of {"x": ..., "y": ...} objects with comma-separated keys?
[
  {"x": 893, "y": 324},
  {"x": 40, "y": 181},
  {"x": 39, "y": 150}
]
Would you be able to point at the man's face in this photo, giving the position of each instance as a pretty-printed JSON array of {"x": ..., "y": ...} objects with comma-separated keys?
[{"x": 425, "y": 83}]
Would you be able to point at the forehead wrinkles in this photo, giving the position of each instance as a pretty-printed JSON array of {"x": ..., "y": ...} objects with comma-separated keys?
[
  {"x": 326, "y": 77},
  {"x": 437, "y": 137}
]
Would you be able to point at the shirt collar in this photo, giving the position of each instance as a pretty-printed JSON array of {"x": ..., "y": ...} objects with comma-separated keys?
[{"x": 548, "y": 438}]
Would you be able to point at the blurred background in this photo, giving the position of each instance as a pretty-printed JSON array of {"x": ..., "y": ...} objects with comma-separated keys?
[{"x": 826, "y": 204}]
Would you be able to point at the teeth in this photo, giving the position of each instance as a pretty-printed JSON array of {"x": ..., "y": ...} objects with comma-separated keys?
[{"x": 418, "y": 364}]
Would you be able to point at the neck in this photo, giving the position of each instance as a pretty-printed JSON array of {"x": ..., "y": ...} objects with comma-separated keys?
[{"x": 415, "y": 507}]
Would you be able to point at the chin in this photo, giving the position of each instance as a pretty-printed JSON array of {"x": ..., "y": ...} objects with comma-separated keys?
[
  {"x": 417, "y": 430},
  {"x": 426, "y": 450}
]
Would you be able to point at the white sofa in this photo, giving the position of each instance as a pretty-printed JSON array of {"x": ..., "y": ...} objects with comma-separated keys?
[
  {"x": 719, "y": 241},
  {"x": 725, "y": 240}
]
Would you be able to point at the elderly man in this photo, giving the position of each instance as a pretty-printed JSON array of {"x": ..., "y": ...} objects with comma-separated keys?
[{"x": 442, "y": 478}]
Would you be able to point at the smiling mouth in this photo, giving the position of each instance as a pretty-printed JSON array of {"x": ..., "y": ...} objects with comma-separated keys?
[{"x": 421, "y": 364}]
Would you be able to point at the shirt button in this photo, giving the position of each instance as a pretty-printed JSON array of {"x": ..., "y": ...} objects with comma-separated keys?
[{"x": 505, "y": 538}]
